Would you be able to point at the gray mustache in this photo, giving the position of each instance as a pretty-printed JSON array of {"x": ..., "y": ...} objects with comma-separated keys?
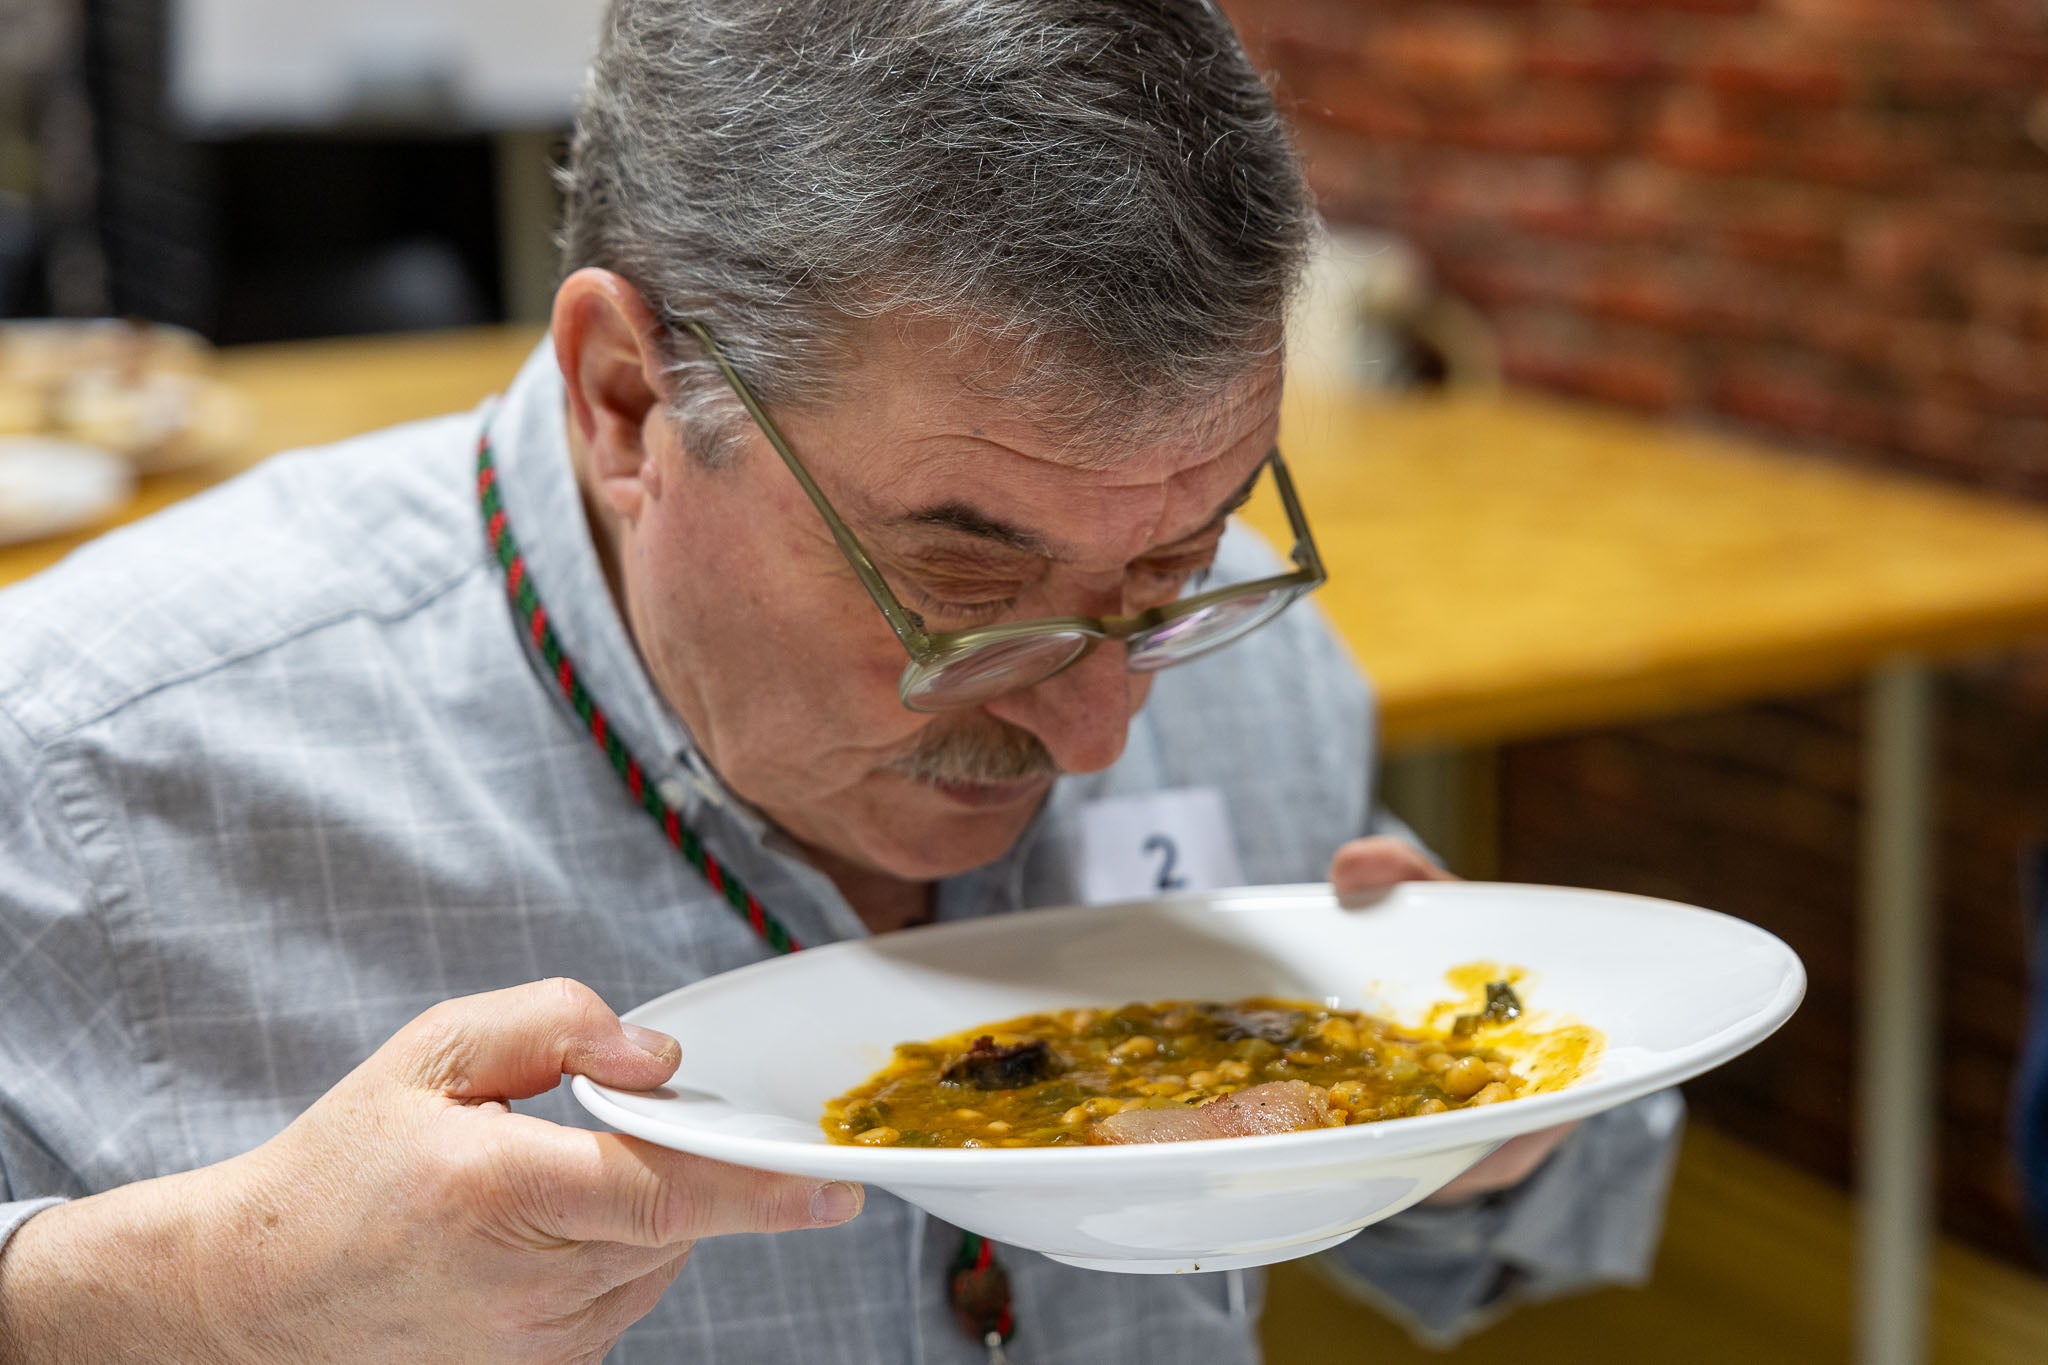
[{"x": 986, "y": 755}]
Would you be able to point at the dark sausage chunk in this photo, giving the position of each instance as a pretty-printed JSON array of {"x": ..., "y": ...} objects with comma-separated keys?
[
  {"x": 1284, "y": 1028},
  {"x": 988, "y": 1067}
]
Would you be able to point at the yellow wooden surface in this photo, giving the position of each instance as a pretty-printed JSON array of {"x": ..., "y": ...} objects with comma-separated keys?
[
  {"x": 1504, "y": 567},
  {"x": 1512, "y": 566},
  {"x": 1756, "y": 1266}
]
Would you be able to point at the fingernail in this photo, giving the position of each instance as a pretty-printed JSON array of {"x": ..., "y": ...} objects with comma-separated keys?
[
  {"x": 652, "y": 1043},
  {"x": 835, "y": 1203}
]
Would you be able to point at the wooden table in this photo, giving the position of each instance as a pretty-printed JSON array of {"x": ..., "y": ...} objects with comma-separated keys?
[
  {"x": 1508, "y": 568},
  {"x": 1513, "y": 567}
]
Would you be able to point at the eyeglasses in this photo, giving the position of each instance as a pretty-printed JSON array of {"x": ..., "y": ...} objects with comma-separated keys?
[{"x": 961, "y": 668}]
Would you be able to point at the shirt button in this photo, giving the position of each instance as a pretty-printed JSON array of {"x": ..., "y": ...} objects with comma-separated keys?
[{"x": 673, "y": 792}]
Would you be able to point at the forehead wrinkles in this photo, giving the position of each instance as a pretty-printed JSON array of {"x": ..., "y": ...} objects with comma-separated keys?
[
  {"x": 917, "y": 440},
  {"x": 1195, "y": 496},
  {"x": 1189, "y": 495},
  {"x": 1218, "y": 424},
  {"x": 974, "y": 368}
]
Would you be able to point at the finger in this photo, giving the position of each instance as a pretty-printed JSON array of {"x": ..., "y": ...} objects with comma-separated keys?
[
  {"x": 515, "y": 1043},
  {"x": 1508, "y": 1166},
  {"x": 1364, "y": 866},
  {"x": 608, "y": 1188}
]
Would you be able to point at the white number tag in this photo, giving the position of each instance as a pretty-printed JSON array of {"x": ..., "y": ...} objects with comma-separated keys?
[{"x": 1157, "y": 843}]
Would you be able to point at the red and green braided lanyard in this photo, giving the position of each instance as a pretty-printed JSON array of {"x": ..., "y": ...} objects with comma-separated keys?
[{"x": 976, "y": 1283}]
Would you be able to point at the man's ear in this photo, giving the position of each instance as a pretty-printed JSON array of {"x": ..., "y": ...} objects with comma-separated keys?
[{"x": 608, "y": 345}]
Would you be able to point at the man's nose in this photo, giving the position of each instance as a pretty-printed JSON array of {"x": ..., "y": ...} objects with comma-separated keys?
[{"x": 1082, "y": 714}]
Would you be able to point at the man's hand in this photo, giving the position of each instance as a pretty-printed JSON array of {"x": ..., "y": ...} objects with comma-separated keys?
[
  {"x": 409, "y": 1214},
  {"x": 1366, "y": 868}
]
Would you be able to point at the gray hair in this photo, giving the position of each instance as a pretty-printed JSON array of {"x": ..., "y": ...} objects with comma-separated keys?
[{"x": 1100, "y": 189}]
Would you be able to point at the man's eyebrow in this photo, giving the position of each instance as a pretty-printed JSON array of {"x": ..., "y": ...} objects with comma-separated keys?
[
  {"x": 959, "y": 516},
  {"x": 967, "y": 520}
]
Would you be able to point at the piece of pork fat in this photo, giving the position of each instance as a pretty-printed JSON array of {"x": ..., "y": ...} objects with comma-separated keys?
[{"x": 1275, "y": 1107}]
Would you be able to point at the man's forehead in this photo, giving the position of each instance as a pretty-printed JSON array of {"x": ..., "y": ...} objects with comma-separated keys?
[
  {"x": 1145, "y": 436},
  {"x": 920, "y": 440},
  {"x": 951, "y": 377}
]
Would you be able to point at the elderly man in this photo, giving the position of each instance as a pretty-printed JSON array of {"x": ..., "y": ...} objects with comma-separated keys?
[{"x": 889, "y": 322}]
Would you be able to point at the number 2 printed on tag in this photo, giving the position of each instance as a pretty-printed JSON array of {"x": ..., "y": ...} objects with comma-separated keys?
[
  {"x": 1157, "y": 843},
  {"x": 1169, "y": 856}
]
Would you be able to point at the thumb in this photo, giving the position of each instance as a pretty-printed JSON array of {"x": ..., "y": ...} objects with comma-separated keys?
[{"x": 520, "y": 1042}]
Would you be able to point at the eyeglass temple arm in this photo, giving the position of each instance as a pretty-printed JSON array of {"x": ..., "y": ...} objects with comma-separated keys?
[
  {"x": 908, "y": 625},
  {"x": 1305, "y": 553}
]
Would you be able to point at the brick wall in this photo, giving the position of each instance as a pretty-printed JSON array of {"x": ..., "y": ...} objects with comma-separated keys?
[
  {"x": 1827, "y": 218},
  {"x": 1823, "y": 222}
]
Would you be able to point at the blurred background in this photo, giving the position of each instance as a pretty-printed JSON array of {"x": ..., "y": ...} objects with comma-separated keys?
[
  {"x": 259, "y": 171},
  {"x": 1812, "y": 228}
]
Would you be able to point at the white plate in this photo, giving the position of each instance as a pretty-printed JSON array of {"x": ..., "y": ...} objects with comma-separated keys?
[
  {"x": 48, "y": 487},
  {"x": 1676, "y": 990}
]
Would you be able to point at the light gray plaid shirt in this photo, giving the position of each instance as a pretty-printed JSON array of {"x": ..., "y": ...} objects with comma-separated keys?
[{"x": 281, "y": 772}]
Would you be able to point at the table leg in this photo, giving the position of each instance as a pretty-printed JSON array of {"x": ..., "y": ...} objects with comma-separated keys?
[{"x": 1897, "y": 1019}]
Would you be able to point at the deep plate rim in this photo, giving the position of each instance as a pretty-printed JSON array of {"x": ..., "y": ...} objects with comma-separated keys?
[{"x": 1371, "y": 1143}]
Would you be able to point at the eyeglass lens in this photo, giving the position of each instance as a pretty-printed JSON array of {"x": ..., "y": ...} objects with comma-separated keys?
[
  {"x": 978, "y": 675},
  {"x": 981, "y": 675},
  {"x": 1197, "y": 633}
]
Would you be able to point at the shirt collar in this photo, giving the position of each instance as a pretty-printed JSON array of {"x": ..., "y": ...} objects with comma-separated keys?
[{"x": 528, "y": 431}]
